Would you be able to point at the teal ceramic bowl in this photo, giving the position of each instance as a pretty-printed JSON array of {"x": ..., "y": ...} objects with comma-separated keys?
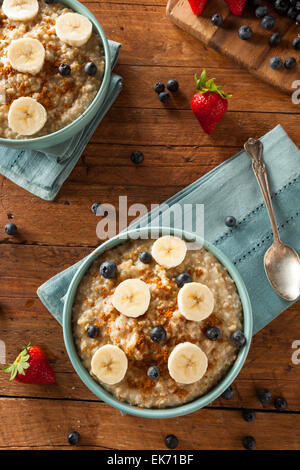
[
  {"x": 104, "y": 395},
  {"x": 74, "y": 127}
]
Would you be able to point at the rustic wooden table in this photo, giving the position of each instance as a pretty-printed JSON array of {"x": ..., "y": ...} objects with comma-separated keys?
[{"x": 53, "y": 235}]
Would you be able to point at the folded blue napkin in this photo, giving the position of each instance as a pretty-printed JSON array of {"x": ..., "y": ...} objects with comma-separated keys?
[
  {"x": 231, "y": 189},
  {"x": 44, "y": 172}
]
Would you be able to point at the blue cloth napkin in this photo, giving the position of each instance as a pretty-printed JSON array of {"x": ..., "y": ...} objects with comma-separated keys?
[
  {"x": 231, "y": 189},
  {"x": 44, "y": 172}
]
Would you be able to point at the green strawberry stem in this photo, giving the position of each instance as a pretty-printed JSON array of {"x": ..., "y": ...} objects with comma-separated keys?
[
  {"x": 204, "y": 86},
  {"x": 19, "y": 365}
]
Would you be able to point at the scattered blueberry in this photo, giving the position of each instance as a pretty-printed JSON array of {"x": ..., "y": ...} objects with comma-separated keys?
[
  {"x": 182, "y": 279},
  {"x": 245, "y": 32},
  {"x": 171, "y": 441},
  {"x": 230, "y": 221},
  {"x": 145, "y": 257},
  {"x": 292, "y": 13},
  {"x": 153, "y": 372},
  {"x": 90, "y": 68},
  {"x": 275, "y": 39},
  {"x": 290, "y": 63},
  {"x": 296, "y": 44},
  {"x": 249, "y": 415},
  {"x": 249, "y": 443},
  {"x": 92, "y": 331},
  {"x": 95, "y": 207},
  {"x": 108, "y": 269},
  {"x": 280, "y": 404},
  {"x": 261, "y": 11},
  {"x": 164, "y": 97},
  {"x": 157, "y": 334},
  {"x": 172, "y": 85},
  {"x": 137, "y": 157},
  {"x": 281, "y": 6},
  {"x": 159, "y": 87},
  {"x": 11, "y": 229},
  {"x": 264, "y": 396},
  {"x": 268, "y": 22},
  {"x": 276, "y": 63},
  {"x": 217, "y": 19},
  {"x": 64, "y": 69},
  {"x": 228, "y": 394},
  {"x": 238, "y": 338},
  {"x": 213, "y": 333},
  {"x": 73, "y": 438}
]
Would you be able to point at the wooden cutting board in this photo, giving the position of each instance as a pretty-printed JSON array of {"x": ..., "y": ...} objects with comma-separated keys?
[{"x": 255, "y": 54}]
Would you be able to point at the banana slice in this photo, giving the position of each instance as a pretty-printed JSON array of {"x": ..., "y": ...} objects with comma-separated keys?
[
  {"x": 74, "y": 29},
  {"x": 132, "y": 297},
  {"x": 195, "y": 301},
  {"x": 20, "y": 10},
  {"x": 109, "y": 364},
  {"x": 26, "y": 55},
  {"x": 26, "y": 116},
  {"x": 187, "y": 363},
  {"x": 169, "y": 251}
]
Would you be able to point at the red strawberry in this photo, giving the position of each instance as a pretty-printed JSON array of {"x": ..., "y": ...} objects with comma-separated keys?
[
  {"x": 197, "y": 6},
  {"x": 210, "y": 103},
  {"x": 236, "y": 6},
  {"x": 31, "y": 367}
]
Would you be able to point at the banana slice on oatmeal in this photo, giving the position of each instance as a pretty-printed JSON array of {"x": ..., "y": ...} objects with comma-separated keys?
[
  {"x": 132, "y": 297},
  {"x": 26, "y": 116},
  {"x": 195, "y": 301},
  {"x": 26, "y": 55},
  {"x": 169, "y": 251},
  {"x": 20, "y": 10},
  {"x": 73, "y": 29},
  {"x": 187, "y": 363},
  {"x": 109, "y": 364}
]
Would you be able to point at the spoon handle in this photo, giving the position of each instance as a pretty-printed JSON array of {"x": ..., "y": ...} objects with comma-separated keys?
[{"x": 254, "y": 148}]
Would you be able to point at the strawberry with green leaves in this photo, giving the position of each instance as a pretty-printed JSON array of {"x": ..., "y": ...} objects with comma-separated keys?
[
  {"x": 210, "y": 102},
  {"x": 197, "y": 6},
  {"x": 31, "y": 367}
]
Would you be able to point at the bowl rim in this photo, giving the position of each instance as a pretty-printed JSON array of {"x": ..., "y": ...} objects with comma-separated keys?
[
  {"x": 76, "y": 124},
  {"x": 103, "y": 394}
]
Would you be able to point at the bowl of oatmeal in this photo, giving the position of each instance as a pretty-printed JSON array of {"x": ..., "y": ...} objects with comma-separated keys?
[
  {"x": 54, "y": 71},
  {"x": 157, "y": 327}
]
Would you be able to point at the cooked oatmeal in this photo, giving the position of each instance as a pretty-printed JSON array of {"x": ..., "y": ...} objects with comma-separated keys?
[
  {"x": 64, "y": 98},
  {"x": 93, "y": 306}
]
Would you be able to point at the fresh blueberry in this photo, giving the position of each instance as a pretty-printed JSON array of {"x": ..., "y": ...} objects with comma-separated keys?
[
  {"x": 281, "y": 6},
  {"x": 264, "y": 396},
  {"x": 296, "y": 44},
  {"x": 262, "y": 11},
  {"x": 213, "y": 333},
  {"x": 249, "y": 443},
  {"x": 90, "y": 68},
  {"x": 228, "y": 394},
  {"x": 153, "y": 372},
  {"x": 64, "y": 69},
  {"x": 145, "y": 257},
  {"x": 159, "y": 87},
  {"x": 268, "y": 22},
  {"x": 157, "y": 334},
  {"x": 297, "y": 5},
  {"x": 292, "y": 13},
  {"x": 92, "y": 331},
  {"x": 11, "y": 229},
  {"x": 171, "y": 441},
  {"x": 137, "y": 157},
  {"x": 217, "y": 19},
  {"x": 73, "y": 438},
  {"x": 290, "y": 63},
  {"x": 245, "y": 32},
  {"x": 164, "y": 97},
  {"x": 108, "y": 269},
  {"x": 276, "y": 63},
  {"x": 182, "y": 279},
  {"x": 95, "y": 207},
  {"x": 172, "y": 85},
  {"x": 280, "y": 404},
  {"x": 249, "y": 415},
  {"x": 275, "y": 39},
  {"x": 230, "y": 221},
  {"x": 238, "y": 338}
]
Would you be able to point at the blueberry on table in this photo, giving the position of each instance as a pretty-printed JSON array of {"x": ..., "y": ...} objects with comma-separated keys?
[
  {"x": 172, "y": 85},
  {"x": 296, "y": 44},
  {"x": 228, "y": 394},
  {"x": 261, "y": 11},
  {"x": 64, "y": 70},
  {"x": 145, "y": 257},
  {"x": 137, "y": 157},
  {"x": 157, "y": 334},
  {"x": 217, "y": 19},
  {"x": 159, "y": 87},
  {"x": 249, "y": 443},
  {"x": 95, "y": 207},
  {"x": 245, "y": 33},
  {"x": 268, "y": 22},
  {"x": 264, "y": 396},
  {"x": 108, "y": 269},
  {"x": 280, "y": 404},
  {"x": 92, "y": 331},
  {"x": 281, "y": 6},
  {"x": 276, "y": 63},
  {"x": 164, "y": 97},
  {"x": 230, "y": 221},
  {"x": 11, "y": 229},
  {"x": 292, "y": 13},
  {"x": 213, "y": 333},
  {"x": 73, "y": 438},
  {"x": 238, "y": 338},
  {"x": 90, "y": 68},
  {"x": 182, "y": 279},
  {"x": 290, "y": 63},
  {"x": 153, "y": 372},
  {"x": 171, "y": 441},
  {"x": 275, "y": 39},
  {"x": 249, "y": 415}
]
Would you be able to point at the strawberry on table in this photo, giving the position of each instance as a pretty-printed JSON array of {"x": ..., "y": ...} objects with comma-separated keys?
[
  {"x": 210, "y": 102},
  {"x": 197, "y": 6},
  {"x": 31, "y": 367},
  {"x": 236, "y": 6}
]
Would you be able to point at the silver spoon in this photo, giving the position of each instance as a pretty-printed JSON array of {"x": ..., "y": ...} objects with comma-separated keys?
[{"x": 282, "y": 263}]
